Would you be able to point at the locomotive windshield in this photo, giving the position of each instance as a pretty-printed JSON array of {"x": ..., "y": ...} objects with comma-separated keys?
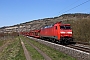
[{"x": 65, "y": 27}]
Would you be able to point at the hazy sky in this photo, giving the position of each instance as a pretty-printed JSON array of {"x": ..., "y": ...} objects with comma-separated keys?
[{"x": 18, "y": 11}]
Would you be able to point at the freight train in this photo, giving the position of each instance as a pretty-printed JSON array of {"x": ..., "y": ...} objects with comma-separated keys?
[{"x": 58, "y": 32}]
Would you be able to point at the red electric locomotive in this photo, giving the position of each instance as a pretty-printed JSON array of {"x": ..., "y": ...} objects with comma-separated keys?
[{"x": 61, "y": 33}]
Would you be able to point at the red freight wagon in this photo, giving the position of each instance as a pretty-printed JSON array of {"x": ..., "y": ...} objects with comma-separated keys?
[
  {"x": 24, "y": 33},
  {"x": 61, "y": 33},
  {"x": 31, "y": 33},
  {"x": 35, "y": 33}
]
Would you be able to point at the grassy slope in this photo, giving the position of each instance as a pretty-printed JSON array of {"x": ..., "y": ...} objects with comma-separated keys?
[
  {"x": 1, "y": 42},
  {"x": 13, "y": 51},
  {"x": 54, "y": 54},
  {"x": 33, "y": 53}
]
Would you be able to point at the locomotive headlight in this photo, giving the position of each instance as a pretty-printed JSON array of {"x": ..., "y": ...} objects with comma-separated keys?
[
  {"x": 62, "y": 32},
  {"x": 69, "y": 32}
]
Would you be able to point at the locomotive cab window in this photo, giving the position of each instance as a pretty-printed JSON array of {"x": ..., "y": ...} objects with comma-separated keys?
[{"x": 65, "y": 27}]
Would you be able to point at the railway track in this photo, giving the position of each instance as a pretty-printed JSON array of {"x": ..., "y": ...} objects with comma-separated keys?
[
  {"x": 85, "y": 47},
  {"x": 85, "y": 43},
  {"x": 79, "y": 51},
  {"x": 79, "y": 47}
]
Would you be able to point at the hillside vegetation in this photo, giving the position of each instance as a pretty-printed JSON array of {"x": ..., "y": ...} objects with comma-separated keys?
[
  {"x": 81, "y": 30},
  {"x": 79, "y": 23}
]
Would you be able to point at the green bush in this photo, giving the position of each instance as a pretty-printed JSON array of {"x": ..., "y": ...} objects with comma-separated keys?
[{"x": 81, "y": 29}]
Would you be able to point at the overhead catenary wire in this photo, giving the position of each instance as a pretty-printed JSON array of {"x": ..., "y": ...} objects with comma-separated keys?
[
  {"x": 75, "y": 7},
  {"x": 70, "y": 5}
]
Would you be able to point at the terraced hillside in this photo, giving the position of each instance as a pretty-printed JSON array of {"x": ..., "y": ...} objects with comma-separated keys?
[{"x": 79, "y": 22}]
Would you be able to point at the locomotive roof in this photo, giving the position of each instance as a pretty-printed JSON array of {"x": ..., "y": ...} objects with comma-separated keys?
[
  {"x": 48, "y": 26},
  {"x": 66, "y": 24}
]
